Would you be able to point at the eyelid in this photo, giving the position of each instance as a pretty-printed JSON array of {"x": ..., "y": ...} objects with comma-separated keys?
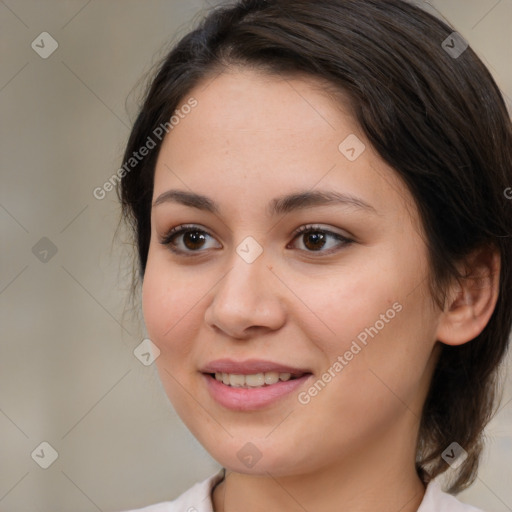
[{"x": 319, "y": 227}]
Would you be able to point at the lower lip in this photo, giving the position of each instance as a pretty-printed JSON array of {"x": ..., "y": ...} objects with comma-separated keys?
[{"x": 250, "y": 399}]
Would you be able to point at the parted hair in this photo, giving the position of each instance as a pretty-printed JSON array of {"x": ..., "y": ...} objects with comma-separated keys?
[{"x": 437, "y": 118}]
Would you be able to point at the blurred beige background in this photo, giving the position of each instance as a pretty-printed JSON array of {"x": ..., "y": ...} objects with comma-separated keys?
[{"x": 68, "y": 374}]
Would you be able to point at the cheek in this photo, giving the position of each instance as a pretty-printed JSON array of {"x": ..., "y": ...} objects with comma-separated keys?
[
  {"x": 376, "y": 316},
  {"x": 170, "y": 318},
  {"x": 170, "y": 306},
  {"x": 385, "y": 359},
  {"x": 344, "y": 305},
  {"x": 155, "y": 304}
]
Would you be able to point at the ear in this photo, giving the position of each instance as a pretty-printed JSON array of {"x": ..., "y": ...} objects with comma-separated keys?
[{"x": 471, "y": 299}]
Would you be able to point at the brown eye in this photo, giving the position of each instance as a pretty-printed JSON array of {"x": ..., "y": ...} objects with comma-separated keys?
[
  {"x": 315, "y": 239},
  {"x": 187, "y": 239},
  {"x": 193, "y": 239}
]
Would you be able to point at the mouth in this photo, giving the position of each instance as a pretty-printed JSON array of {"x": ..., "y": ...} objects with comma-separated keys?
[{"x": 252, "y": 384}]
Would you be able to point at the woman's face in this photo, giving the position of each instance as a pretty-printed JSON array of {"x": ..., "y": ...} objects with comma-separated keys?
[{"x": 343, "y": 307}]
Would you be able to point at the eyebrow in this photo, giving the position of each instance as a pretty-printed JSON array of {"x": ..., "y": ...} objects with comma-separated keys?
[{"x": 277, "y": 206}]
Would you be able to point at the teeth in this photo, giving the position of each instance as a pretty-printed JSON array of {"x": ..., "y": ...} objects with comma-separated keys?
[
  {"x": 255, "y": 380},
  {"x": 236, "y": 381},
  {"x": 271, "y": 378}
]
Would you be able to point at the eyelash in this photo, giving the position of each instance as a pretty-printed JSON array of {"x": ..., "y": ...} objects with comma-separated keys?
[{"x": 167, "y": 240}]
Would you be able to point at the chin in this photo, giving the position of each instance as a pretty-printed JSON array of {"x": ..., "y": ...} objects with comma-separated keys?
[{"x": 259, "y": 456}]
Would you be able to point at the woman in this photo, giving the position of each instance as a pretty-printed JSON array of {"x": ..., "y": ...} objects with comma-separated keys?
[{"x": 317, "y": 199}]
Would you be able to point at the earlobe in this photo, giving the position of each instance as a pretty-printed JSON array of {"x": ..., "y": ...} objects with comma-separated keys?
[{"x": 471, "y": 299}]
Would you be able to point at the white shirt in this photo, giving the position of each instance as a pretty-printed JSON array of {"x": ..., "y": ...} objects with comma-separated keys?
[{"x": 198, "y": 499}]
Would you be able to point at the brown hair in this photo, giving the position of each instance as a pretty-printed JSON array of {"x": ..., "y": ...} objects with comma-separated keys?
[{"x": 438, "y": 119}]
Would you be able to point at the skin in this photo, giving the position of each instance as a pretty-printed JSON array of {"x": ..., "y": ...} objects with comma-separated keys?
[{"x": 252, "y": 138}]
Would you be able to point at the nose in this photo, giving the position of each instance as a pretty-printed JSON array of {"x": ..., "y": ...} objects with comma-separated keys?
[{"x": 247, "y": 301}]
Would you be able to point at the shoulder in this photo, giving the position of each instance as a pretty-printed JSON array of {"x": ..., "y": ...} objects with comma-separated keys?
[
  {"x": 195, "y": 499},
  {"x": 436, "y": 500}
]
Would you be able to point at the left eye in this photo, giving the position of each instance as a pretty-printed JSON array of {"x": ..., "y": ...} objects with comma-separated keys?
[{"x": 315, "y": 238}]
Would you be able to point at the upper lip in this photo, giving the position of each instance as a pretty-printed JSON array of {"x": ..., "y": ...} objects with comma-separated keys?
[{"x": 249, "y": 367}]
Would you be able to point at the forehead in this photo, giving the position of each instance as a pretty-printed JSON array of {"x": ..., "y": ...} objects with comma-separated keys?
[
  {"x": 240, "y": 103},
  {"x": 261, "y": 135}
]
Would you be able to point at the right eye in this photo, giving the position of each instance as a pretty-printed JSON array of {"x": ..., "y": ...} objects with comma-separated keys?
[{"x": 186, "y": 238}]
